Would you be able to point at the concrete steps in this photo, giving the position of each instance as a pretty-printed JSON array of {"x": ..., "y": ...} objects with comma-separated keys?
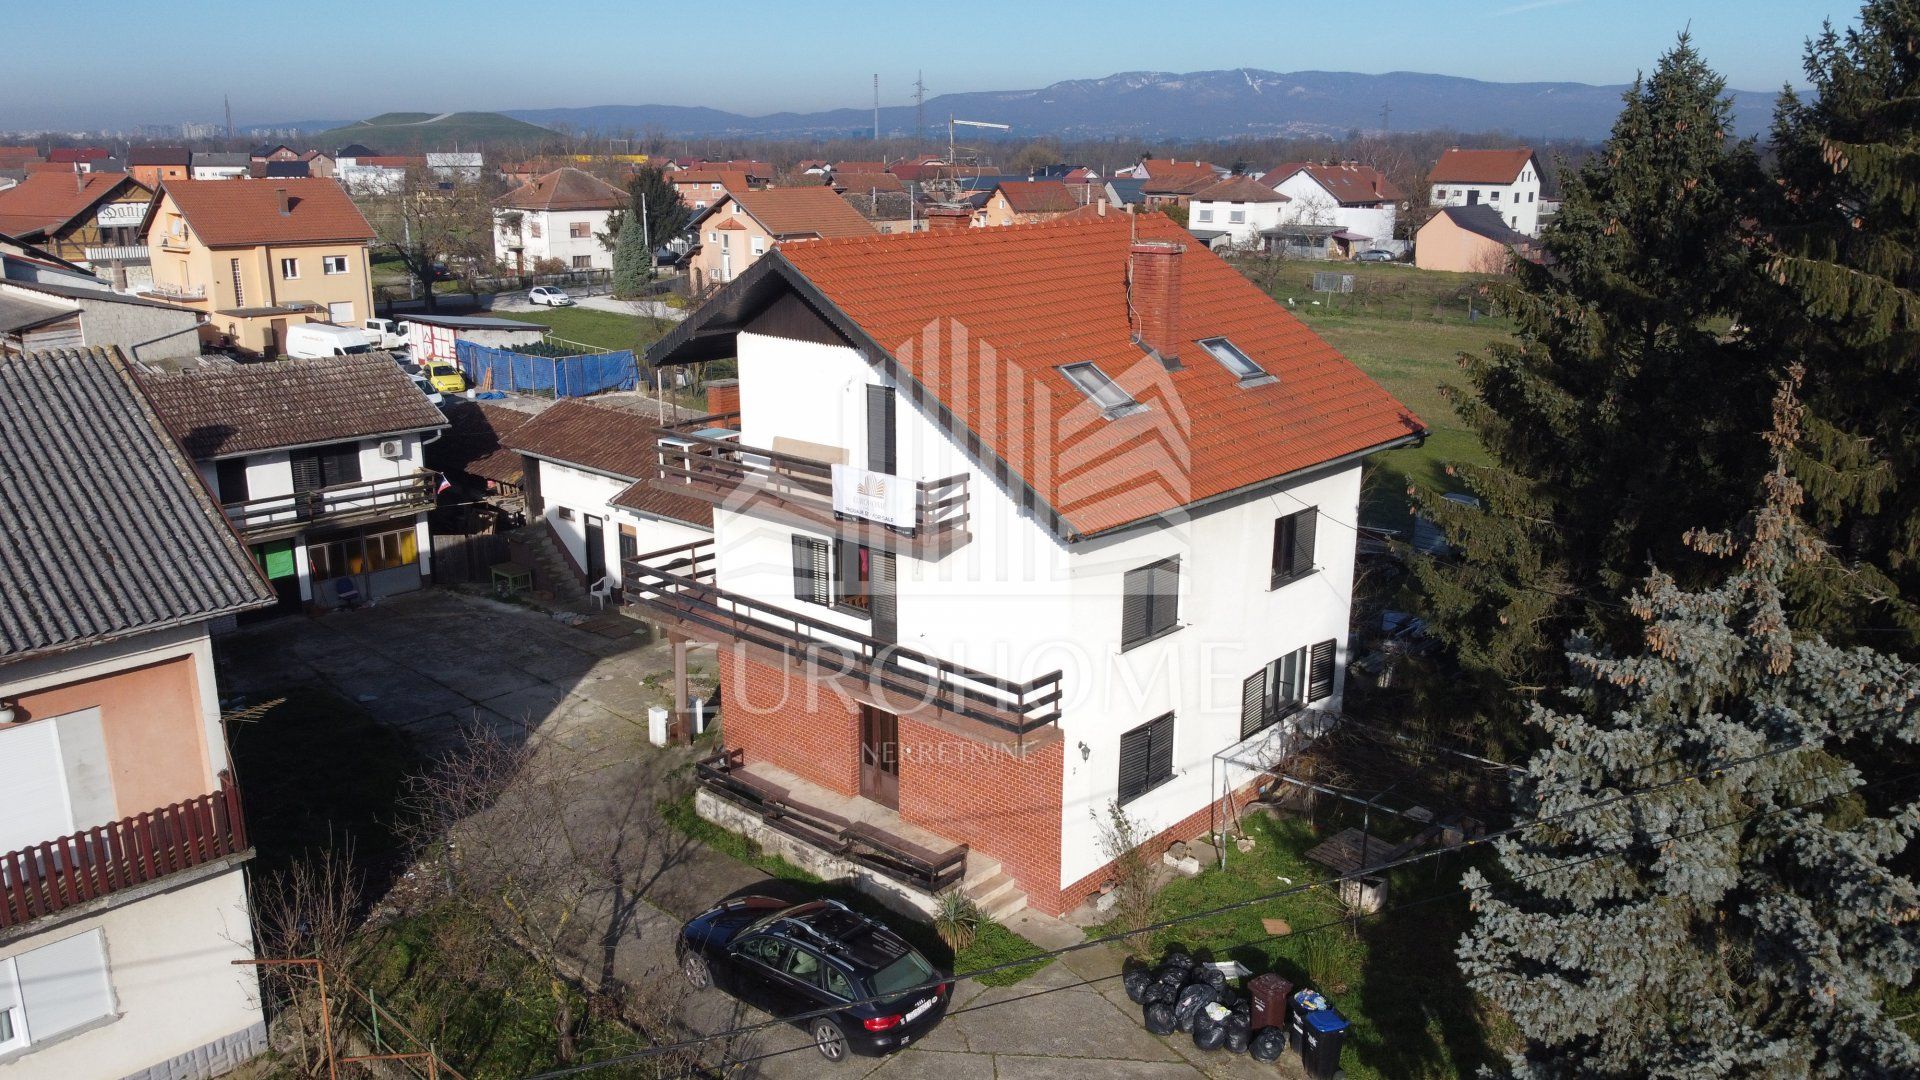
[
  {"x": 991, "y": 888},
  {"x": 551, "y": 570}
]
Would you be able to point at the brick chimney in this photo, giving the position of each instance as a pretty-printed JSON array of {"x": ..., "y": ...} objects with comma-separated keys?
[
  {"x": 723, "y": 396},
  {"x": 286, "y": 205},
  {"x": 948, "y": 217},
  {"x": 1154, "y": 285}
]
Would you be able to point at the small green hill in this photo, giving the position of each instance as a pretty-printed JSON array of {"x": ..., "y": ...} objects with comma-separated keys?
[{"x": 403, "y": 132}]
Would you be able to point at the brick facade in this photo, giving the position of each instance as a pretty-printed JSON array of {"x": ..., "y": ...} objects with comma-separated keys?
[
  {"x": 996, "y": 800},
  {"x": 804, "y": 727}
]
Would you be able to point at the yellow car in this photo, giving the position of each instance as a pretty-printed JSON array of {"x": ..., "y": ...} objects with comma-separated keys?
[{"x": 445, "y": 377}]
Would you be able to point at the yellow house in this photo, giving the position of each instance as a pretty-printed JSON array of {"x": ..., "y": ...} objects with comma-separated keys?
[{"x": 260, "y": 256}]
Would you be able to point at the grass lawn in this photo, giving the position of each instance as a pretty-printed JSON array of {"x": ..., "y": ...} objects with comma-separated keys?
[
  {"x": 1393, "y": 977},
  {"x": 1407, "y": 328},
  {"x": 591, "y": 326},
  {"x": 992, "y": 945}
]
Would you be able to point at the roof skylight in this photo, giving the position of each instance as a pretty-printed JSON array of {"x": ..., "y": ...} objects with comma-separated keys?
[
  {"x": 1237, "y": 362},
  {"x": 1101, "y": 390}
]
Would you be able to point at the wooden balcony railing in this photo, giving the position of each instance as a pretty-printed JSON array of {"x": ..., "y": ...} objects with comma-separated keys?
[
  {"x": 337, "y": 505},
  {"x": 676, "y": 585},
  {"x": 58, "y": 874},
  {"x": 799, "y": 490}
]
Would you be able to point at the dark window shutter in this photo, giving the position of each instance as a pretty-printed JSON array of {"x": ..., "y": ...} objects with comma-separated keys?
[
  {"x": 810, "y": 569},
  {"x": 1305, "y": 524},
  {"x": 1136, "y": 608},
  {"x": 1166, "y": 595},
  {"x": 1320, "y": 671},
  {"x": 881, "y": 430},
  {"x": 306, "y": 471},
  {"x": 231, "y": 475},
  {"x": 1282, "y": 550},
  {"x": 1160, "y": 767},
  {"x": 1135, "y": 756},
  {"x": 1253, "y": 703}
]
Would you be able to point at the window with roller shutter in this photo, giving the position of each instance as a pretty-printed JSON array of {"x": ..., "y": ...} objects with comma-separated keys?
[
  {"x": 1146, "y": 758},
  {"x": 1150, "y": 606},
  {"x": 1320, "y": 671},
  {"x": 1293, "y": 540},
  {"x": 882, "y": 448}
]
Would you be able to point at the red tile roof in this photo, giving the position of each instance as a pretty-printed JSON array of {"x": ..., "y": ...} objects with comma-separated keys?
[
  {"x": 1178, "y": 177},
  {"x": 867, "y": 182},
  {"x": 1239, "y": 189},
  {"x": 565, "y": 189},
  {"x": 647, "y": 499},
  {"x": 860, "y": 166},
  {"x": 15, "y": 157},
  {"x": 799, "y": 213},
  {"x": 612, "y": 440},
  {"x": 729, "y": 180},
  {"x": 1038, "y": 197},
  {"x": 983, "y": 318},
  {"x": 68, "y": 155},
  {"x": 1350, "y": 185},
  {"x": 223, "y": 410},
  {"x": 45, "y": 201},
  {"x": 1480, "y": 166},
  {"x": 473, "y": 441},
  {"x": 226, "y": 213}
]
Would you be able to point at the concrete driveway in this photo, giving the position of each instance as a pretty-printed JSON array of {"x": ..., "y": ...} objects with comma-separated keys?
[{"x": 432, "y": 663}]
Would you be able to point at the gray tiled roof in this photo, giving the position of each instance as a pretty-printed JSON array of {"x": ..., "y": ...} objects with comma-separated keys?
[
  {"x": 105, "y": 529},
  {"x": 221, "y": 410}
]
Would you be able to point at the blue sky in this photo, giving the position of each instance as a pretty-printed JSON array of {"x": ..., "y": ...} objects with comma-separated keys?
[{"x": 114, "y": 62}]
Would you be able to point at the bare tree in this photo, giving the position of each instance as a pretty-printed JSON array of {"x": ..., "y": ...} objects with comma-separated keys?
[
  {"x": 309, "y": 911},
  {"x": 433, "y": 224}
]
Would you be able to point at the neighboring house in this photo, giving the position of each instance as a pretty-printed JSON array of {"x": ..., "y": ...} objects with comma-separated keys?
[
  {"x": 215, "y": 166},
  {"x": 557, "y": 216},
  {"x": 866, "y": 183},
  {"x": 1044, "y": 508},
  {"x": 1235, "y": 213},
  {"x": 701, "y": 188},
  {"x": 124, "y": 922},
  {"x": 1471, "y": 240},
  {"x": 735, "y": 232},
  {"x": 461, "y": 166},
  {"x": 69, "y": 212},
  {"x": 473, "y": 454},
  {"x": 1125, "y": 191},
  {"x": 78, "y": 158},
  {"x": 894, "y": 212},
  {"x": 260, "y": 256},
  {"x": 583, "y": 474},
  {"x": 150, "y": 165},
  {"x": 318, "y": 162},
  {"x": 437, "y": 337},
  {"x": 1506, "y": 180},
  {"x": 1027, "y": 202},
  {"x": 1171, "y": 181},
  {"x": 1358, "y": 199},
  {"x": 279, "y": 170},
  {"x": 18, "y": 157},
  {"x": 318, "y": 464},
  {"x": 48, "y": 306},
  {"x": 274, "y": 152}
]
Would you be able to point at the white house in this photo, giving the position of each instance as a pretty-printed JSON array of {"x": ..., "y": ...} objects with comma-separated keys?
[
  {"x": 1233, "y": 212},
  {"x": 984, "y": 568},
  {"x": 319, "y": 466},
  {"x": 1358, "y": 199},
  {"x": 218, "y": 166},
  {"x": 556, "y": 216},
  {"x": 124, "y": 922},
  {"x": 583, "y": 466},
  {"x": 463, "y": 165},
  {"x": 1506, "y": 180}
]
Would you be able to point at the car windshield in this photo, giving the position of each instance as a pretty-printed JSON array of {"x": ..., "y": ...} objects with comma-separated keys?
[
  {"x": 355, "y": 350},
  {"x": 909, "y": 971}
]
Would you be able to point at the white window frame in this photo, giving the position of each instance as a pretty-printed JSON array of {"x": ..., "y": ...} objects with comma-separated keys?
[
  {"x": 1101, "y": 390},
  {"x": 1236, "y": 217},
  {"x": 1235, "y": 359},
  {"x": 759, "y": 245},
  {"x": 289, "y": 269},
  {"x": 1205, "y": 214},
  {"x": 333, "y": 264},
  {"x": 23, "y": 1037},
  {"x": 13, "y": 1011}
]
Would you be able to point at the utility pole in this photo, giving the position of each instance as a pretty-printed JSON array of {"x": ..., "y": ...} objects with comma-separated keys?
[
  {"x": 228, "y": 100},
  {"x": 919, "y": 107},
  {"x": 876, "y": 107},
  {"x": 1386, "y": 116}
]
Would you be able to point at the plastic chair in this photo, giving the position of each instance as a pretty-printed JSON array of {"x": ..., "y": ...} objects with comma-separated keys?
[
  {"x": 347, "y": 591},
  {"x": 599, "y": 592}
]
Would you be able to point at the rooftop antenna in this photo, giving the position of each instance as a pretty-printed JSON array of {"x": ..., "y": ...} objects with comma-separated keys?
[
  {"x": 919, "y": 107},
  {"x": 227, "y": 99},
  {"x": 952, "y": 123},
  {"x": 876, "y": 107}
]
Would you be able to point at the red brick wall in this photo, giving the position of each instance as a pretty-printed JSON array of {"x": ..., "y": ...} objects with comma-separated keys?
[
  {"x": 803, "y": 727},
  {"x": 1156, "y": 295},
  {"x": 1002, "y": 804}
]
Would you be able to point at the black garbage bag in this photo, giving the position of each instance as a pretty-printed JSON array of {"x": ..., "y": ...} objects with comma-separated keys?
[
  {"x": 1213, "y": 976},
  {"x": 1136, "y": 981},
  {"x": 1175, "y": 958},
  {"x": 1208, "y": 1033},
  {"x": 1268, "y": 1045},
  {"x": 1239, "y": 1034},
  {"x": 1192, "y": 1000},
  {"x": 1157, "y": 991},
  {"x": 1159, "y": 1018},
  {"x": 1231, "y": 998},
  {"x": 1173, "y": 978}
]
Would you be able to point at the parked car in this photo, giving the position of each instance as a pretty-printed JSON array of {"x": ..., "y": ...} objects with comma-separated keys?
[
  {"x": 446, "y": 378},
  {"x": 1374, "y": 255},
  {"x": 427, "y": 388},
  {"x": 819, "y": 957},
  {"x": 549, "y": 295},
  {"x": 313, "y": 340}
]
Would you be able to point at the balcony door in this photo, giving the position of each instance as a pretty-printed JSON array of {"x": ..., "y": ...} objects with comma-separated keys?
[
  {"x": 880, "y": 756},
  {"x": 596, "y": 541},
  {"x": 54, "y": 771}
]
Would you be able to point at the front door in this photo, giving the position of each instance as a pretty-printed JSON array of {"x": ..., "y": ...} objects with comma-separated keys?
[
  {"x": 596, "y": 549},
  {"x": 880, "y": 756}
]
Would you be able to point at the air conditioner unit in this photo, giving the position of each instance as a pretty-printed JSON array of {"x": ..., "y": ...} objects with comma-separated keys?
[{"x": 393, "y": 449}]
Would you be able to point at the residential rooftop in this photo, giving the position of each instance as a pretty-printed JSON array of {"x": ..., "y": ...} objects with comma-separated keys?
[{"x": 227, "y": 410}]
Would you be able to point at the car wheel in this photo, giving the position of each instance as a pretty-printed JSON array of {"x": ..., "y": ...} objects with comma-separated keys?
[
  {"x": 828, "y": 1039},
  {"x": 694, "y": 967}
]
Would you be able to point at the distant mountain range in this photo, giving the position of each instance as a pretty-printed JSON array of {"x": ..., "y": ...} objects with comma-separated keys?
[
  {"x": 1196, "y": 105},
  {"x": 1234, "y": 103}
]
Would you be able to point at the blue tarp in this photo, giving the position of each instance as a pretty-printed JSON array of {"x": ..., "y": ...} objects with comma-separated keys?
[{"x": 561, "y": 376}]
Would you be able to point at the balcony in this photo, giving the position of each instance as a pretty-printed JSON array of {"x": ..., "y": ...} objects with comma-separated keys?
[
  {"x": 363, "y": 501},
  {"x": 176, "y": 292},
  {"x": 675, "y": 587},
  {"x": 72, "y": 870},
  {"x": 703, "y": 460}
]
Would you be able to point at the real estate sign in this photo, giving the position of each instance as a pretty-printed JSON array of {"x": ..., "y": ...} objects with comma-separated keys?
[{"x": 874, "y": 496}]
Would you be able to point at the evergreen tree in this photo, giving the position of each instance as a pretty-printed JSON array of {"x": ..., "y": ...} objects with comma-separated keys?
[
  {"x": 1623, "y": 412},
  {"x": 1845, "y": 235},
  {"x": 1721, "y": 927},
  {"x": 632, "y": 262}
]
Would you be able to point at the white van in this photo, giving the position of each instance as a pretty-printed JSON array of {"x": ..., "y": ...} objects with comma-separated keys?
[
  {"x": 312, "y": 340},
  {"x": 386, "y": 333}
]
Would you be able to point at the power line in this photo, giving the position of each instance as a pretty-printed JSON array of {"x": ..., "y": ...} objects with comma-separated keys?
[{"x": 1397, "y": 864}]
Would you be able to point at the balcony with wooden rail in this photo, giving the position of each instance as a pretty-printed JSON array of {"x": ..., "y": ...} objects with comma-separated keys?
[
  {"x": 275, "y": 516},
  {"x": 75, "y": 870},
  {"x": 675, "y": 587},
  {"x": 698, "y": 460}
]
